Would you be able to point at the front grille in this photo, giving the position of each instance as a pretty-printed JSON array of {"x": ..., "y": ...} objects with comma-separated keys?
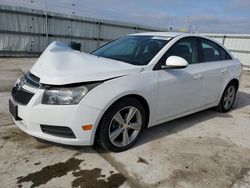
[
  {"x": 59, "y": 131},
  {"x": 32, "y": 80},
  {"x": 21, "y": 96}
]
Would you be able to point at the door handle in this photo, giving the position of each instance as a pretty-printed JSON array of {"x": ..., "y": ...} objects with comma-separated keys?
[
  {"x": 223, "y": 70},
  {"x": 197, "y": 76}
]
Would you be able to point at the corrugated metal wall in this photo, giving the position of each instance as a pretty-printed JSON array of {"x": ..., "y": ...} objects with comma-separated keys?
[{"x": 23, "y": 31}]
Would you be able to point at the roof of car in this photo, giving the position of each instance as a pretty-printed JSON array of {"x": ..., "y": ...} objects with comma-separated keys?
[
  {"x": 175, "y": 34},
  {"x": 162, "y": 34}
]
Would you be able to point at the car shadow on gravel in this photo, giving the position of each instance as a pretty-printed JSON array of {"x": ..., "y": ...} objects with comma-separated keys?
[
  {"x": 242, "y": 100},
  {"x": 77, "y": 149}
]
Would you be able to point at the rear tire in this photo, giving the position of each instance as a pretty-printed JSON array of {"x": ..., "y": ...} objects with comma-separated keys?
[
  {"x": 121, "y": 125},
  {"x": 228, "y": 98}
]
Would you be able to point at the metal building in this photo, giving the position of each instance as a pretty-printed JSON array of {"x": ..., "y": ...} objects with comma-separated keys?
[{"x": 26, "y": 31}]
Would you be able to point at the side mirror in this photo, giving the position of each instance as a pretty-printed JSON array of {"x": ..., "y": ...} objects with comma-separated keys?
[{"x": 175, "y": 62}]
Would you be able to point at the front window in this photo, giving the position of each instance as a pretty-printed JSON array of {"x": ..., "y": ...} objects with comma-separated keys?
[
  {"x": 136, "y": 50},
  {"x": 185, "y": 48}
]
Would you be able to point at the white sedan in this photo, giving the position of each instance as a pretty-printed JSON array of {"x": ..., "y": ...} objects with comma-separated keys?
[{"x": 111, "y": 94}]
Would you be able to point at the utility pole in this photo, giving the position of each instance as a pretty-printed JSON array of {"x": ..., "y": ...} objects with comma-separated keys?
[
  {"x": 186, "y": 23},
  {"x": 46, "y": 23}
]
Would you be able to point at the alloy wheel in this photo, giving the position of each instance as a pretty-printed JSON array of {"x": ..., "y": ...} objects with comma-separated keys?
[
  {"x": 229, "y": 97},
  {"x": 125, "y": 126}
]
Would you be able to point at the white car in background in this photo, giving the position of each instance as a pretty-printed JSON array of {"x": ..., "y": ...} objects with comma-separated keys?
[{"x": 129, "y": 84}]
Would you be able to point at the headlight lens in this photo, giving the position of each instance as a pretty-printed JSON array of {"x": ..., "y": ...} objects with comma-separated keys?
[
  {"x": 66, "y": 96},
  {"x": 20, "y": 81}
]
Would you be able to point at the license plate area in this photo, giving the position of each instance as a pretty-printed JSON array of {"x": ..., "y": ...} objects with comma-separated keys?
[{"x": 13, "y": 108}]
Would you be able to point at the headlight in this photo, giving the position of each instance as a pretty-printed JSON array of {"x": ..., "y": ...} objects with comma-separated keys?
[
  {"x": 20, "y": 82},
  {"x": 66, "y": 96}
]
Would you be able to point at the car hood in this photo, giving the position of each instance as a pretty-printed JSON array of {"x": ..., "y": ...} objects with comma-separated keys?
[{"x": 60, "y": 65}]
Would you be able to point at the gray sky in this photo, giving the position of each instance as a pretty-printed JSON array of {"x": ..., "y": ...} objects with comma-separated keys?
[{"x": 216, "y": 16}]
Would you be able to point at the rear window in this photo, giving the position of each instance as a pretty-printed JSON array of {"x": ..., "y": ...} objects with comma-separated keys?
[{"x": 213, "y": 52}]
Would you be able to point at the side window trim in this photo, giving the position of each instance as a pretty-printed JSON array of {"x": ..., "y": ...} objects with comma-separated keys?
[
  {"x": 199, "y": 49},
  {"x": 227, "y": 55},
  {"x": 159, "y": 63}
]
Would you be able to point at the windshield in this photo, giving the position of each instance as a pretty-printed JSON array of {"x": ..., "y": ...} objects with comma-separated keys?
[{"x": 136, "y": 50}]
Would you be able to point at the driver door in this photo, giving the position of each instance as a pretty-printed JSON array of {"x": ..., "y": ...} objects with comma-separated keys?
[{"x": 180, "y": 90}]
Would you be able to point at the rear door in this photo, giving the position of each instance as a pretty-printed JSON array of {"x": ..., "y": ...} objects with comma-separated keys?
[{"x": 214, "y": 67}]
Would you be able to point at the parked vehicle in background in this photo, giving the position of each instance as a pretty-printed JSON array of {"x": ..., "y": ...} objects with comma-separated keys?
[{"x": 123, "y": 87}]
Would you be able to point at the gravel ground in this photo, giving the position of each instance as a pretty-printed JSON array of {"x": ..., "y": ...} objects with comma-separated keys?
[{"x": 206, "y": 149}]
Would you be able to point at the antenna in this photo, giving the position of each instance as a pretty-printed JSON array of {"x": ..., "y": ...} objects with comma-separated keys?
[{"x": 195, "y": 30}]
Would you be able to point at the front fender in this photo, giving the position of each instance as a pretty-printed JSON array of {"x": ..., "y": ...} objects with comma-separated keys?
[
  {"x": 105, "y": 94},
  {"x": 144, "y": 84}
]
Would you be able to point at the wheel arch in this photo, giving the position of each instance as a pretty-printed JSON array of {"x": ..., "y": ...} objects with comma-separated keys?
[
  {"x": 138, "y": 97},
  {"x": 142, "y": 100},
  {"x": 235, "y": 82}
]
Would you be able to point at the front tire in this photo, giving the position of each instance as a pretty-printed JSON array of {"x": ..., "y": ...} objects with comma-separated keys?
[
  {"x": 121, "y": 125},
  {"x": 228, "y": 98}
]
